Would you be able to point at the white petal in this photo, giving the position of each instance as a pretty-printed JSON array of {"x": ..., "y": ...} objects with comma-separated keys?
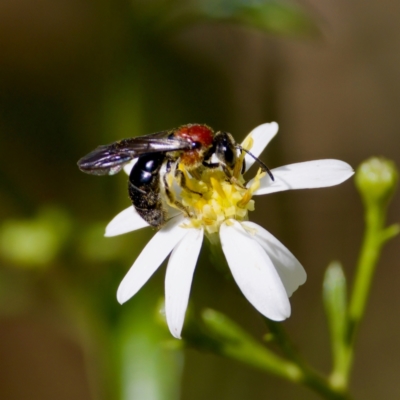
[
  {"x": 254, "y": 272},
  {"x": 127, "y": 220},
  {"x": 128, "y": 167},
  {"x": 305, "y": 175},
  {"x": 261, "y": 136},
  {"x": 289, "y": 269},
  {"x": 155, "y": 252},
  {"x": 178, "y": 279}
]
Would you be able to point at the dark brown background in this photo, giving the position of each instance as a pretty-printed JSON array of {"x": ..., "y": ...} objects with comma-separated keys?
[{"x": 334, "y": 96}]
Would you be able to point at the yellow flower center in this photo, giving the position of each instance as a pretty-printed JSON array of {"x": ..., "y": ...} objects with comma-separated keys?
[{"x": 210, "y": 197}]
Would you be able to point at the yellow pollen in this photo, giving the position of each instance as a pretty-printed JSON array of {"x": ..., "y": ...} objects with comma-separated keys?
[
  {"x": 246, "y": 198},
  {"x": 256, "y": 181},
  {"x": 211, "y": 198},
  {"x": 248, "y": 143},
  {"x": 217, "y": 187}
]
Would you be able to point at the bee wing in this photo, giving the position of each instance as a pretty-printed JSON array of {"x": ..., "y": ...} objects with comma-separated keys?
[
  {"x": 104, "y": 160},
  {"x": 110, "y": 159}
]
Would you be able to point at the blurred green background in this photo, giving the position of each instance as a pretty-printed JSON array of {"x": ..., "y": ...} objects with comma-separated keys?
[{"x": 76, "y": 74}]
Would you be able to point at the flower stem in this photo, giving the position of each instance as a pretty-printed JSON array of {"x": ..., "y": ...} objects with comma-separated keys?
[
  {"x": 376, "y": 181},
  {"x": 374, "y": 239},
  {"x": 320, "y": 385},
  {"x": 369, "y": 256},
  {"x": 309, "y": 376},
  {"x": 227, "y": 339}
]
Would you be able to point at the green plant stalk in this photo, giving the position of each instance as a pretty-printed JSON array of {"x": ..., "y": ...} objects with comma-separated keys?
[
  {"x": 228, "y": 339},
  {"x": 309, "y": 377},
  {"x": 262, "y": 359},
  {"x": 374, "y": 238},
  {"x": 322, "y": 386},
  {"x": 370, "y": 251},
  {"x": 233, "y": 342}
]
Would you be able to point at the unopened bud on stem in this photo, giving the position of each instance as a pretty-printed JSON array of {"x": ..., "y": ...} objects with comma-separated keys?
[{"x": 376, "y": 180}]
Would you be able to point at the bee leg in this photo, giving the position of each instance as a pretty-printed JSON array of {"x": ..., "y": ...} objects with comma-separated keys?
[
  {"x": 182, "y": 182},
  {"x": 226, "y": 170},
  {"x": 171, "y": 197},
  {"x": 243, "y": 166},
  {"x": 230, "y": 177}
]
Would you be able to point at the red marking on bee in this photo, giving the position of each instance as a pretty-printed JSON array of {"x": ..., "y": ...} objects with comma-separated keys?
[{"x": 195, "y": 133}]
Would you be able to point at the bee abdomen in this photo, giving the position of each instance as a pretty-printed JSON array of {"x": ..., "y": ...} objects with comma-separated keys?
[{"x": 144, "y": 189}]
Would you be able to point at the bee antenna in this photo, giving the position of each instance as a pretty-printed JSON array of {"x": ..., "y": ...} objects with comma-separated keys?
[{"x": 263, "y": 166}]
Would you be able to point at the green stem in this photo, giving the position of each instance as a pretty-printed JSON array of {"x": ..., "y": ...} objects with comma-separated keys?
[
  {"x": 374, "y": 238},
  {"x": 320, "y": 385},
  {"x": 309, "y": 377},
  {"x": 369, "y": 256},
  {"x": 297, "y": 373},
  {"x": 224, "y": 337},
  {"x": 281, "y": 338}
]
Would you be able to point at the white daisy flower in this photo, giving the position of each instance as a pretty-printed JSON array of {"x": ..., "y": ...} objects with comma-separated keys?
[{"x": 266, "y": 272}]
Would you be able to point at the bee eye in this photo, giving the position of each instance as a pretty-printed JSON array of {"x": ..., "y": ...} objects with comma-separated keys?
[{"x": 196, "y": 145}]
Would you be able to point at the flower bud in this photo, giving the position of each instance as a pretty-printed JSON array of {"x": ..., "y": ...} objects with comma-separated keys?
[{"x": 376, "y": 179}]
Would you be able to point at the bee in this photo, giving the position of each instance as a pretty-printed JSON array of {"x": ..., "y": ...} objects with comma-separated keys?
[{"x": 194, "y": 146}]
